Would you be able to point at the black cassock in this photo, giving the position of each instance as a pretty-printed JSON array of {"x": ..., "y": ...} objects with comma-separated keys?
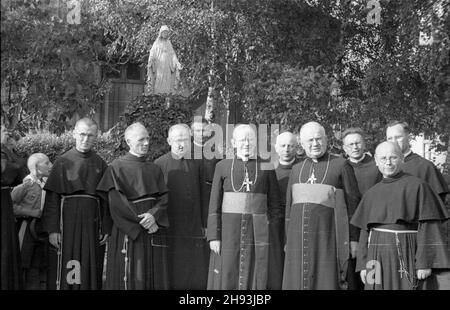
[
  {"x": 317, "y": 223},
  {"x": 240, "y": 219},
  {"x": 74, "y": 209},
  {"x": 366, "y": 173},
  {"x": 13, "y": 174},
  {"x": 188, "y": 264},
  {"x": 136, "y": 260},
  {"x": 276, "y": 261},
  {"x": 427, "y": 171}
]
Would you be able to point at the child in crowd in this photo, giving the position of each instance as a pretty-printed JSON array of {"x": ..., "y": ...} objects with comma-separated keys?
[{"x": 28, "y": 201}]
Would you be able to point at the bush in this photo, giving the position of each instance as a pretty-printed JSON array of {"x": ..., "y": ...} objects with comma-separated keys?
[
  {"x": 48, "y": 143},
  {"x": 150, "y": 110}
]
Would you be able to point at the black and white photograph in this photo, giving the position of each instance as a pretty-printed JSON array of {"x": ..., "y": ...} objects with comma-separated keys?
[{"x": 221, "y": 153}]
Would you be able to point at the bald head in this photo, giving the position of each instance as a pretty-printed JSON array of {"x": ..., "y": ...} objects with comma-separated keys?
[
  {"x": 243, "y": 129},
  {"x": 388, "y": 146},
  {"x": 179, "y": 139},
  {"x": 244, "y": 141},
  {"x": 311, "y": 127},
  {"x": 389, "y": 158},
  {"x": 133, "y": 129},
  {"x": 136, "y": 136},
  {"x": 313, "y": 139},
  {"x": 177, "y": 129},
  {"x": 39, "y": 165},
  {"x": 286, "y": 146}
]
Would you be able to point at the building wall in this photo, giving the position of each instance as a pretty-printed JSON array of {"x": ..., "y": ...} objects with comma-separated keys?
[{"x": 422, "y": 146}]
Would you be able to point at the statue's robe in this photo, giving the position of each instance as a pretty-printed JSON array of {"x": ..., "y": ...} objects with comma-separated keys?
[
  {"x": 400, "y": 220},
  {"x": 317, "y": 223},
  {"x": 74, "y": 209},
  {"x": 240, "y": 220},
  {"x": 136, "y": 260}
]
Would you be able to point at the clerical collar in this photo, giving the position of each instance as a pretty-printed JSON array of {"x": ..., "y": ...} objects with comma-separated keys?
[
  {"x": 393, "y": 178},
  {"x": 134, "y": 154},
  {"x": 134, "y": 157},
  {"x": 407, "y": 153},
  {"x": 357, "y": 161},
  {"x": 286, "y": 163},
  {"x": 323, "y": 157},
  {"x": 176, "y": 157},
  {"x": 197, "y": 144},
  {"x": 82, "y": 154},
  {"x": 244, "y": 159}
]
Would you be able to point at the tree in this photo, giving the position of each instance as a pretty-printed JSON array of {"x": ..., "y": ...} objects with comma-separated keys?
[{"x": 51, "y": 70}]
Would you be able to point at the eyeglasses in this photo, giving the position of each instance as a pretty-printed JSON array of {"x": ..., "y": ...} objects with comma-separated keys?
[
  {"x": 354, "y": 144},
  {"x": 391, "y": 159}
]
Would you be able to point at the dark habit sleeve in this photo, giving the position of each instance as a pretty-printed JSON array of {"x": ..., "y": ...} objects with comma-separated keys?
[
  {"x": 123, "y": 215},
  {"x": 214, "y": 229},
  {"x": 361, "y": 253},
  {"x": 51, "y": 212},
  {"x": 159, "y": 210},
  {"x": 432, "y": 246},
  {"x": 352, "y": 197}
]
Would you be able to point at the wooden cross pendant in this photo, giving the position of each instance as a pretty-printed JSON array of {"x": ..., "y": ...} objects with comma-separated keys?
[{"x": 247, "y": 181}]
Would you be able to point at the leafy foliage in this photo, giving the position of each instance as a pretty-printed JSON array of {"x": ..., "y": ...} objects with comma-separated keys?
[{"x": 285, "y": 61}]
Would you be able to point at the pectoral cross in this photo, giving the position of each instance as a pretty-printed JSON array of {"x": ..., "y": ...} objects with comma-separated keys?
[
  {"x": 312, "y": 179},
  {"x": 247, "y": 181}
]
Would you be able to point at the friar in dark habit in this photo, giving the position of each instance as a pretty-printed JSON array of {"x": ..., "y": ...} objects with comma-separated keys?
[
  {"x": 399, "y": 132},
  {"x": 137, "y": 248},
  {"x": 401, "y": 240},
  {"x": 367, "y": 175},
  {"x": 13, "y": 170},
  {"x": 74, "y": 215},
  {"x": 321, "y": 197},
  {"x": 286, "y": 148},
  {"x": 188, "y": 264},
  {"x": 245, "y": 199}
]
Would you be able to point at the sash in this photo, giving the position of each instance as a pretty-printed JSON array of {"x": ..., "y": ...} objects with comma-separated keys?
[
  {"x": 256, "y": 205},
  {"x": 329, "y": 196}
]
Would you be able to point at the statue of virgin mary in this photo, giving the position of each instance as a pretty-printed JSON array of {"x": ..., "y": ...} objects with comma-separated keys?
[{"x": 163, "y": 69}]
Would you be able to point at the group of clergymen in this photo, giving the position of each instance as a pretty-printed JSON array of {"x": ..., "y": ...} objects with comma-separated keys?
[{"x": 317, "y": 222}]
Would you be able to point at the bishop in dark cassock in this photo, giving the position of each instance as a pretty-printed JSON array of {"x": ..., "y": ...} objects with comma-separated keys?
[
  {"x": 188, "y": 264},
  {"x": 13, "y": 171},
  {"x": 244, "y": 200},
  {"x": 400, "y": 218},
  {"x": 74, "y": 215},
  {"x": 367, "y": 175},
  {"x": 286, "y": 148},
  {"x": 322, "y": 195},
  {"x": 137, "y": 248},
  {"x": 397, "y": 131}
]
